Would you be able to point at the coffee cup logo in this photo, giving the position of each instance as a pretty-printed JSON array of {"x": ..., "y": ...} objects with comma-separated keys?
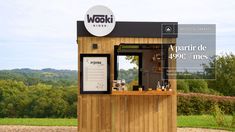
[{"x": 99, "y": 21}]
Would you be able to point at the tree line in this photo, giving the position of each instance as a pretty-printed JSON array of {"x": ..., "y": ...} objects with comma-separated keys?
[
  {"x": 39, "y": 100},
  {"x": 224, "y": 82},
  {"x": 38, "y": 93},
  {"x": 56, "y": 78}
]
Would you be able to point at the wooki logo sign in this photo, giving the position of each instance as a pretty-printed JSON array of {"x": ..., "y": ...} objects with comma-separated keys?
[{"x": 99, "y": 21}]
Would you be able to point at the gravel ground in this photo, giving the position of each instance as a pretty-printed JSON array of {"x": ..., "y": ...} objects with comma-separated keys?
[
  {"x": 11, "y": 128},
  {"x": 198, "y": 130}
]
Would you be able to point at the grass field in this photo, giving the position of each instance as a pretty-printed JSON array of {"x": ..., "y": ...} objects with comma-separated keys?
[
  {"x": 203, "y": 121},
  {"x": 38, "y": 121}
]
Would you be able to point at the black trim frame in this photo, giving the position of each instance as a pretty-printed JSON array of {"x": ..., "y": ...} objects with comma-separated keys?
[
  {"x": 135, "y": 29},
  {"x": 165, "y": 59},
  {"x": 116, "y": 53},
  {"x": 108, "y": 74}
]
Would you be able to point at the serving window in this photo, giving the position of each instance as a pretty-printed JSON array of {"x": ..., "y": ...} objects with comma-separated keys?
[{"x": 144, "y": 65}]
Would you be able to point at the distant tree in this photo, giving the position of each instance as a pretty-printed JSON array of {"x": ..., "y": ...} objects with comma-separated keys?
[
  {"x": 56, "y": 78},
  {"x": 182, "y": 86},
  {"x": 224, "y": 73},
  {"x": 128, "y": 75},
  {"x": 13, "y": 100},
  {"x": 40, "y": 100},
  {"x": 198, "y": 86},
  {"x": 133, "y": 59}
]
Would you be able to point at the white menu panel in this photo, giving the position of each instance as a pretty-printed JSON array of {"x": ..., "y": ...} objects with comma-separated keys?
[{"x": 95, "y": 74}]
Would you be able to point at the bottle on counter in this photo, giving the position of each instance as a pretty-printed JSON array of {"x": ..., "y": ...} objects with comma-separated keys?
[
  {"x": 123, "y": 85},
  {"x": 166, "y": 85},
  {"x": 118, "y": 85},
  {"x": 158, "y": 85},
  {"x": 169, "y": 87},
  {"x": 163, "y": 86}
]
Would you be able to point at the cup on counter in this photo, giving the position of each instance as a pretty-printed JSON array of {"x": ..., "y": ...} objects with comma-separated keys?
[
  {"x": 120, "y": 89},
  {"x": 150, "y": 89}
]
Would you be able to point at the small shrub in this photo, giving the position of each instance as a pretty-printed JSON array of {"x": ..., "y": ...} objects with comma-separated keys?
[
  {"x": 196, "y": 104},
  {"x": 233, "y": 121},
  {"x": 182, "y": 86},
  {"x": 198, "y": 86},
  {"x": 219, "y": 116}
]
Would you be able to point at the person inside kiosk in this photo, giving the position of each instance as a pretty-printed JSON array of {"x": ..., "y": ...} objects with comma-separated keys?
[{"x": 141, "y": 67}]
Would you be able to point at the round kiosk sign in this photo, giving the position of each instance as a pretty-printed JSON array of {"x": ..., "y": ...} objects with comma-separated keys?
[{"x": 99, "y": 20}]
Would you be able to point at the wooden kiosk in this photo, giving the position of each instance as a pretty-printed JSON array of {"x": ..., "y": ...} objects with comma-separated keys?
[{"x": 127, "y": 111}]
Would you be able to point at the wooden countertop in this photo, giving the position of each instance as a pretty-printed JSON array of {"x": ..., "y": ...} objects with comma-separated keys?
[{"x": 153, "y": 92}]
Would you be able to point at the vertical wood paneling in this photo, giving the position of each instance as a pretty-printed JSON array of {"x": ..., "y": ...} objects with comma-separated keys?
[
  {"x": 151, "y": 113},
  {"x": 165, "y": 114},
  {"x": 88, "y": 111},
  {"x": 137, "y": 114},
  {"x": 106, "y": 113},
  {"x": 146, "y": 112},
  {"x": 94, "y": 123},
  {"x": 174, "y": 113},
  {"x": 79, "y": 109},
  {"x": 79, "y": 104},
  {"x": 126, "y": 114},
  {"x": 160, "y": 115},
  {"x": 118, "y": 123},
  {"x": 169, "y": 115},
  {"x": 84, "y": 113},
  {"x": 99, "y": 108},
  {"x": 122, "y": 116},
  {"x": 141, "y": 113},
  {"x": 113, "y": 112},
  {"x": 131, "y": 114},
  {"x": 155, "y": 116}
]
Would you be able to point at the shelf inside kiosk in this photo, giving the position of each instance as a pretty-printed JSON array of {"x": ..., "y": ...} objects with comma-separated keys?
[{"x": 141, "y": 70}]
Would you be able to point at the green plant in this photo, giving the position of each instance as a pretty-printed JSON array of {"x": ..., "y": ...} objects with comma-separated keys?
[
  {"x": 182, "y": 86},
  {"x": 224, "y": 73},
  {"x": 218, "y": 115},
  {"x": 198, "y": 86},
  {"x": 40, "y": 100},
  {"x": 197, "y": 104},
  {"x": 233, "y": 121}
]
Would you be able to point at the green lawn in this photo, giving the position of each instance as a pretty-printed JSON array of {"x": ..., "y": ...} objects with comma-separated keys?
[
  {"x": 38, "y": 121},
  {"x": 203, "y": 121}
]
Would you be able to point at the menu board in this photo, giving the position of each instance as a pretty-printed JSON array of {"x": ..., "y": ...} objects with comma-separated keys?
[{"x": 94, "y": 73}]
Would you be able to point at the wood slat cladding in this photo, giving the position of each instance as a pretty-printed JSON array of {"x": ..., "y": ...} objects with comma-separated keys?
[{"x": 125, "y": 113}]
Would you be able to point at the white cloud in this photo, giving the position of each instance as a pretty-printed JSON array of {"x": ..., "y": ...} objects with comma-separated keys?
[{"x": 52, "y": 23}]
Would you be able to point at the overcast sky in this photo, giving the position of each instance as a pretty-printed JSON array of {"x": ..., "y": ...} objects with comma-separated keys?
[{"x": 42, "y": 33}]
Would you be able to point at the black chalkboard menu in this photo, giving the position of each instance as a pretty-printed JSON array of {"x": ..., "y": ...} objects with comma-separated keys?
[{"x": 94, "y": 73}]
